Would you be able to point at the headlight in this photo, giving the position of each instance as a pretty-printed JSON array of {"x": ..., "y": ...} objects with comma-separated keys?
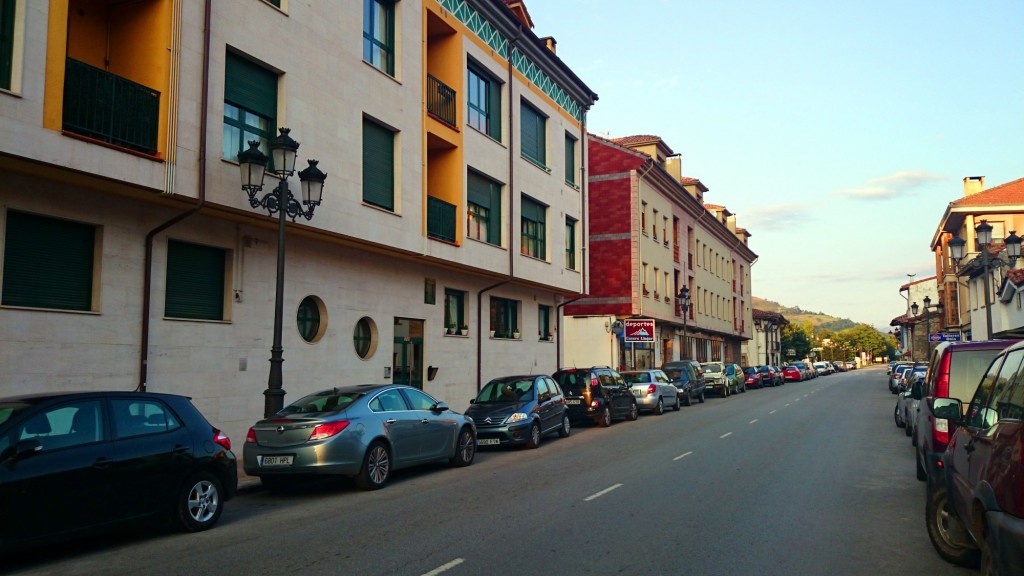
[{"x": 517, "y": 417}]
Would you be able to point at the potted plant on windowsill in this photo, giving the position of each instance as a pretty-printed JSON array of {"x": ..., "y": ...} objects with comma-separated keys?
[
  {"x": 463, "y": 330},
  {"x": 450, "y": 329},
  {"x": 515, "y": 335}
]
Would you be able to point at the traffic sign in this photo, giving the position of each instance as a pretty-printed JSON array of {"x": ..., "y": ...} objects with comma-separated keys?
[{"x": 944, "y": 337}]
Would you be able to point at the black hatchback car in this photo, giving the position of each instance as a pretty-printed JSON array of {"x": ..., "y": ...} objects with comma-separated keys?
[
  {"x": 519, "y": 410},
  {"x": 70, "y": 462},
  {"x": 598, "y": 393}
]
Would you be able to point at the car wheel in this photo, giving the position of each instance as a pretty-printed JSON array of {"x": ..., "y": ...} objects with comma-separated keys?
[
  {"x": 376, "y": 467},
  {"x": 199, "y": 502},
  {"x": 605, "y": 419},
  {"x": 725, "y": 391},
  {"x": 660, "y": 408},
  {"x": 566, "y": 428},
  {"x": 946, "y": 532},
  {"x": 687, "y": 401},
  {"x": 922, "y": 474},
  {"x": 701, "y": 397},
  {"x": 465, "y": 449},
  {"x": 634, "y": 412},
  {"x": 906, "y": 427},
  {"x": 534, "y": 440},
  {"x": 896, "y": 416},
  {"x": 676, "y": 406}
]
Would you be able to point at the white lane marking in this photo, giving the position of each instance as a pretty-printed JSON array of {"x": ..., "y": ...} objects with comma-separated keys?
[
  {"x": 773, "y": 412},
  {"x": 724, "y": 435},
  {"x": 796, "y": 400},
  {"x": 805, "y": 395},
  {"x": 681, "y": 456},
  {"x": 754, "y": 420},
  {"x": 602, "y": 492},
  {"x": 786, "y": 405},
  {"x": 444, "y": 567}
]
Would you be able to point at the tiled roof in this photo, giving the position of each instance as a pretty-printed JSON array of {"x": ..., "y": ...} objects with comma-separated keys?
[
  {"x": 638, "y": 139},
  {"x": 766, "y": 315},
  {"x": 1016, "y": 276},
  {"x": 714, "y": 207},
  {"x": 1009, "y": 193}
]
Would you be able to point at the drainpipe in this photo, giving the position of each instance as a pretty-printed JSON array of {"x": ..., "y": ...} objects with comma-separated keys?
[{"x": 148, "y": 266}]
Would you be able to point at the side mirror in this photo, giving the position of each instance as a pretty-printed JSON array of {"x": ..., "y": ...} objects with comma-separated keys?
[
  {"x": 948, "y": 408},
  {"x": 441, "y": 407},
  {"x": 473, "y": 401}
]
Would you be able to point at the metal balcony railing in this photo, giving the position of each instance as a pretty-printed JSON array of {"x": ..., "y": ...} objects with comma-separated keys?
[
  {"x": 441, "y": 100},
  {"x": 109, "y": 108},
  {"x": 440, "y": 219}
]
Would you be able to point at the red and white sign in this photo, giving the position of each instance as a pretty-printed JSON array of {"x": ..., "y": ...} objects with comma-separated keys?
[{"x": 638, "y": 330}]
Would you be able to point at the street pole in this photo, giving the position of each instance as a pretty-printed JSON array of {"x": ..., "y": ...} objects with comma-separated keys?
[{"x": 988, "y": 305}]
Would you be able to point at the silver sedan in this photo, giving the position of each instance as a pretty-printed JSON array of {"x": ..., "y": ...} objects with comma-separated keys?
[
  {"x": 362, "y": 431},
  {"x": 652, "y": 389}
]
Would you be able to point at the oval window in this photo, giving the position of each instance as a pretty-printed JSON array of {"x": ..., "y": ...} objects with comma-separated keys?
[
  {"x": 311, "y": 318},
  {"x": 364, "y": 337}
]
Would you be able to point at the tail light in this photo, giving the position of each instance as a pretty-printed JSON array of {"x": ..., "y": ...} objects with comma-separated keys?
[
  {"x": 942, "y": 378},
  {"x": 940, "y": 426},
  {"x": 250, "y": 436},
  {"x": 221, "y": 439},
  {"x": 327, "y": 429},
  {"x": 651, "y": 389},
  {"x": 940, "y": 432}
]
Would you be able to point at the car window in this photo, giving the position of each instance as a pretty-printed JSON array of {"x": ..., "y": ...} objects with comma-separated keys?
[
  {"x": 419, "y": 400},
  {"x": 1012, "y": 407},
  {"x": 965, "y": 370},
  {"x": 138, "y": 417},
  {"x": 984, "y": 409},
  {"x": 388, "y": 401},
  {"x": 553, "y": 387},
  {"x": 660, "y": 377},
  {"x": 326, "y": 401},
  {"x": 65, "y": 425},
  {"x": 571, "y": 381},
  {"x": 637, "y": 377}
]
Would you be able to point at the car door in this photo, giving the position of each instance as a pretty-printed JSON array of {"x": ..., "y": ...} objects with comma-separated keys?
[
  {"x": 558, "y": 405},
  {"x": 435, "y": 428},
  {"x": 400, "y": 423},
  {"x": 620, "y": 393},
  {"x": 546, "y": 407},
  {"x": 65, "y": 485}
]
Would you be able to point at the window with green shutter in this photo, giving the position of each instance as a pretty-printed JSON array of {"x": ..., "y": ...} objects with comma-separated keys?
[
  {"x": 454, "y": 309},
  {"x": 6, "y": 42},
  {"x": 532, "y": 241},
  {"x": 48, "y": 262},
  {"x": 544, "y": 322},
  {"x": 250, "y": 106},
  {"x": 379, "y": 34},
  {"x": 532, "y": 134},
  {"x": 483, "y": 95},
  {"x": 378, "y": 165},
  {"x": 484, "y": 214},
  {"x": 570, "y": 159},
  {"x": 570, "y": 243},
  {"x": 195, "y": 281},
  {"x": 504, "y": 317}
]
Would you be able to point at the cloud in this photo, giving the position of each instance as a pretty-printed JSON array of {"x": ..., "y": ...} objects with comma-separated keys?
[
  {"x": 890, "y": 186},
  {"x": 776, "y": 216}
]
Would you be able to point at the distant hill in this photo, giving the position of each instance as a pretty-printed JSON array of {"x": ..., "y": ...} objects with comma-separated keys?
[{"x": 799, "y": 316}]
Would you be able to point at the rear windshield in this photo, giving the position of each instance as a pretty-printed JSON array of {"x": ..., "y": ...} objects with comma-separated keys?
[
  {"x": 966, "y": 367},
  {"x": 676, "y": 374},
  {"x": 636, "y": 377},
  {"x": 572, "y": 382},
  {"x": 750, "y": 370},
  {"x": 326, "y": 401},
  {"x": 765, "y": 369}
]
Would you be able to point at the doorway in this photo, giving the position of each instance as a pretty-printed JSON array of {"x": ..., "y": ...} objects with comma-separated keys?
[{"x": 407, "y": 357}]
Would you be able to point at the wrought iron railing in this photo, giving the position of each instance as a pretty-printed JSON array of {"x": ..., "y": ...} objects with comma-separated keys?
[
  {"x": 110, "y": 108},
  {"x": 440, "y": 219},
  {"x": 440, "y": 100}
]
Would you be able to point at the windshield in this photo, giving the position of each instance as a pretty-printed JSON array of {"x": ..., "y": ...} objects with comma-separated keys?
[
  {"x": 506, "y": 391},
  {"x": 9, "y": 409},
  {"x": 751, "y": 370},
  {"x": 713, "y": 368},
  {"x": 326, "y": 401}
]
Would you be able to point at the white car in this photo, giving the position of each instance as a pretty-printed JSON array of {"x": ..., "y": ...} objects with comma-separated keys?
[
  {"x": 653, "y": 390},
  {"x": 824, "y": 368}
]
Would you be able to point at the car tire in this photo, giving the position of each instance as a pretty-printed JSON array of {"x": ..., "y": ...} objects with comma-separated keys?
[
  {"x": 676, "y": 407},
  {"x": 922, "y": 474},
  {"x": 376, "y": 467},
  {"x": 660, "y": 408},
  {"x": 950, "y": 539},
  {"x": 687, "y": 401},
  {"x": 743, "y": 389},
  {"x": 605, "y": 419},
  {"x": 634, "y": 412},
  {"x": 199, "y": 503},
  {"x": 896, "y": 416},
  {"x": 566, "y": 428},
  {"x": 465, "y": 449},
  {"x": 701, "y": 397},
  {"x": 534, "y": 440},
  {"x": 725, "y": 391},
  {"x": 906, "y": 428}
]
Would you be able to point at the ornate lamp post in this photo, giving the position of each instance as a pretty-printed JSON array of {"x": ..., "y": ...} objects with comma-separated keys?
[
  {"x": 280, "y": 201},
  {"x": 684, "y": 297}
]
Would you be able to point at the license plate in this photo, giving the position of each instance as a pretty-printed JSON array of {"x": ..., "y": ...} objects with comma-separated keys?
[
  {"x": 574, "y": 401},
  {"x": 487, "y": 441},
  {"x": 283, "y": 460},
  {"x": 637, "y": 393}
]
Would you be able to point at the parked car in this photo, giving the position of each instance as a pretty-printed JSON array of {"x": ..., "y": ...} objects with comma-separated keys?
[
  {"x": 366, "y": 431},
  {"x": 769, "y": 376},
  {"x": 779, "y": 378},
  {"x": 737, "y": 382},
  {"x": 896, "y": 378},
  {"x": 824, "y": 368},
  {"x": 687, "y": 377},
  {"x": 716, "y": 378},
  {"x": 805, "y": 369},
  {"x": 851, "y": 365},
  {"x": 519, "y": 410},
  {"x": 791, "y": 374},
  {"x": 598, "y": 394},
  {"x": 900, "y": 413},
  {"x": 74, "y": 462},
  {"x": 979, "y": 506},
  {"x": 653, "y": 390},
  {"x": 752, "y": 377}
]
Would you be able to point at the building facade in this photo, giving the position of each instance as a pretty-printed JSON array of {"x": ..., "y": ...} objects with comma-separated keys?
[
  {"x": 451, "y": 227},
  {"x": 650, "y": 237}
]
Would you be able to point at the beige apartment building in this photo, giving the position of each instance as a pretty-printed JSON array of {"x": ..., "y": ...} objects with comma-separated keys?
[{"x": 451, "y": 226}]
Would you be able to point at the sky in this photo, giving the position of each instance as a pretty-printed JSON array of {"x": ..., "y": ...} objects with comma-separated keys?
[{"x": 836, "y": 131}]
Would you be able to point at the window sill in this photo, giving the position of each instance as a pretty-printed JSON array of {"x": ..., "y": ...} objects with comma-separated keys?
[
  {"x": 383, "y": 73},
  {"x": 536, "y": 163},
  {"x": 572, "y": 185},
  {"x": 486, "y": 135}
]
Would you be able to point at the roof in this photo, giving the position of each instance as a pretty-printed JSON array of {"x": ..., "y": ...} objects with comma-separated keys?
[
  {"x": 909, "y": 284},
  {"x": 688, "y": 181},
  {"x": 769, "y": 316},
  {"x": 1016, "y": 276},
  {"x": 637, "y": 139},
  {"x": 1011, "y": 193}
]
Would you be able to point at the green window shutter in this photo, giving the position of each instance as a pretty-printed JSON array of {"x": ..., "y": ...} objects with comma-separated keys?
[
  {"x": 570, "y": 160},
  {"x": 6, "y": 42},
  {"x": 195, "y": 281},
  {"x": 533, "y": 211},
  {"x": 250, "y": 86},
  {"x": 48, "y": 263},
  {"x": 378, "y": 165},
  {"x": 494, "y": 109},
  {"x": 532, "y": 134},
  {"x": 487, "y": 193},
  {"x": 479, "y": 190}
]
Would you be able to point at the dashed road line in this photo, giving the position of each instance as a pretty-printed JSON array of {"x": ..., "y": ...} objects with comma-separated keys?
[
  {"x": 444, "y": 567},
  {"x": 774, "y": 411},
  {"x": 681, "y": 456},
  {"x": 602, "y": 492},
  {"x": 725, "y": 435},
  {"x": 754, "y": 420}
]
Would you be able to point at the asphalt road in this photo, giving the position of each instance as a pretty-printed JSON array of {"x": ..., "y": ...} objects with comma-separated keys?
[{"x": 809, "y": 478}]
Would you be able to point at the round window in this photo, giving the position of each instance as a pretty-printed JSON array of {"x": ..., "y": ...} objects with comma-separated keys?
[
  {"x": 364, "y": 337},
  {"x": 311, "y": 318}
]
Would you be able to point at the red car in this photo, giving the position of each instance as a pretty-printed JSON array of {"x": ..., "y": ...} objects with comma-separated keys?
[
  {"x": 752, "y": 377},
  {"x": 791, "y": 374}
]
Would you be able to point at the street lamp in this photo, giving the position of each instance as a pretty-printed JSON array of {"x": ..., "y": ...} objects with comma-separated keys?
[
  {"x": 280, "y": 201},
  {"x": 684, "y": 297}
]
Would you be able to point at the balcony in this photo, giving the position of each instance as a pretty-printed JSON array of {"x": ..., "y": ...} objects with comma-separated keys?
[
  {"x": 441, "y": 101},
  {"x": 109, "y": 108},
  {"x": 440, "y": 219}
]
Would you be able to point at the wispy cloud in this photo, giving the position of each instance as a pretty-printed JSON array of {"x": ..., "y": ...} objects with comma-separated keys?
[
  {"x": 890, "y": 186},
  {"x": 776, "y": 216}
]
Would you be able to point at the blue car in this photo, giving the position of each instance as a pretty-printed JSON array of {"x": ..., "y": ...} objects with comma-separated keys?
[{"x": 519, "y": 410}]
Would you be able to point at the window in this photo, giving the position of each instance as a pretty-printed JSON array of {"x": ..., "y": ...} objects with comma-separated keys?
[
  {"x": 141, "y": 418},
  {"x": 364, "y": 337},
  {"x": 570, "y": 159},
  {"x": 657, "y": 283},
  {"x": 310, "y": 319},
  {"x": 250, "y": 106},
  {"x": 65, "y": 426},
  {"x": 570, "y": 243},
  {"x": 643, "y": 217},
  {"x": 419, "y": 400},
  {"x": 544, "y": 322},
  {"x": 389, "y": 401},
  {"x": 378, "y": 165},
  {"x": 654, "y": 225},
  {"x": 483, "y": 219},
  {"x": 484, "y": 100},
  {"x": 49, "y": 263},
  {"x": 379, "y": 34},
  {"x": 454, "y": 309},
  {"x": 7, "y": 43},
  {"x": 533, "y": 224},
  {"x": 504, "y": 317},
  {"x": 533, "y": 132},
  {"x": 195, "y": 281}
]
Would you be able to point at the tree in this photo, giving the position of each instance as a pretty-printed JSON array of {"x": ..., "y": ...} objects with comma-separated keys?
[{"x": 797, "y": 339}]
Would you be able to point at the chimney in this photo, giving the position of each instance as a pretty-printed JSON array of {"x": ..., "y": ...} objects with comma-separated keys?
[
  {"x": 549, "y": 43},
  {"x": 973, "y": 185},
  {"x": 674, "y": 166}
]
